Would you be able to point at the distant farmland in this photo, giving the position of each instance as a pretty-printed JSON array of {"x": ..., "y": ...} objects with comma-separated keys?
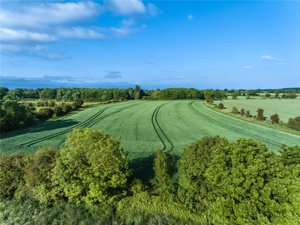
[
  {"x": 145, "y": 126},
  {"x": 285, "y": 108}
]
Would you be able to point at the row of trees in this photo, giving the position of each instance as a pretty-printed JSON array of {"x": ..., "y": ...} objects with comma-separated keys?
[
  {"x": 213, "y": 182},
  {"x": 97, "y": 94},
  {"x": 14, "y": 114},
  {"x": 72, "y": 94},
  {"x": 293, "y": 123}
]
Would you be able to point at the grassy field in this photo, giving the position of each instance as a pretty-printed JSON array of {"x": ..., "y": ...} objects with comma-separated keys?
[
  {"x": 285, "y": 108},
  {"x": 145, "y": 126}
]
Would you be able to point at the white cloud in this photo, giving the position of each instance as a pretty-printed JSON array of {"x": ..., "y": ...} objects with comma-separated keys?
[
  {"x": 37, "y": 23},
  {"x": 9, "y": 35},
  {"x": 80, "y": 33},
  {"x": 126, "y": 7},
  {"x": 190, "y": 17},
  {"x": 267, "y": 58},
  {"x": 38, "y": 15}
]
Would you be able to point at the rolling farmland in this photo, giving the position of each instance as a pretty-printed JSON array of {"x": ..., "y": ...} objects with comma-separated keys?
[
  {"x": 145, "y": 126},
  {"x": 285, "y": 108}
]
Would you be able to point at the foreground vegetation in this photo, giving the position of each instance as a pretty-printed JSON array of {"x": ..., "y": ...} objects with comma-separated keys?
[{"x": 91, "y": 181}]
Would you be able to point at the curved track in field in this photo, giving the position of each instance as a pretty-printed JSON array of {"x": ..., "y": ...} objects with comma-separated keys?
[
  {"x": 231, "y": 127},
  {"x": 165, "y": 140},
  {"x": 87, "y": 123}
]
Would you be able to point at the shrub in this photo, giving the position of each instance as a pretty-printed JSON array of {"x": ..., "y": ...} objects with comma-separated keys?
[
  {"x": 58, "y": 111},
  {"x": 221, "y": 106},
  {"x": 275, "y": 118},
  {"x": 248, "y": 114},
  {"x": 242, "y": 112},
  {"x": 45, "y": 113},
  {"x": 66, "y": 108},
  {"x": 52, "y": 103},
  {"x": 294, "y": 123},
  {"x": 234, "y": 110}
]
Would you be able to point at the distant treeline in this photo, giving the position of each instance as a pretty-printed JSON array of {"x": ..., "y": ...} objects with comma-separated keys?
[{"x": 98, "y": 94}]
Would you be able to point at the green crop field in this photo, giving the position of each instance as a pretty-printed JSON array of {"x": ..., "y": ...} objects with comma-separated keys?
[
  {"x": 285, "y": 108},
  {"x": 145, "y": 126}
]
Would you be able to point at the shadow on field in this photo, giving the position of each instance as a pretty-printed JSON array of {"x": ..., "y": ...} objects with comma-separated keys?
[
  {"x": 45, "y": 126},
  {"x": 142, "y": 168}
]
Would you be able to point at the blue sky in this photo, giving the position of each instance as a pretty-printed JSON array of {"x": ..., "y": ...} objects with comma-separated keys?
[{"x": 157, "y": 44}]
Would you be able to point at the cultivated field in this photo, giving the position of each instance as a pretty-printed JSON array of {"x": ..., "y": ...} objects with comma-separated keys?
[
  {"x": 285, "y": 108},
  {"x": 145, "y": 126}
]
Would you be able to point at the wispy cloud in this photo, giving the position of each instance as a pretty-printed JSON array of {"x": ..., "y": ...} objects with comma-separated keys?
[
  {"x": 247, "y": 67},
  {"x": 37, "y": 23},
  {"x": 112, "y": 75},
  {"x": 268, "y": 58}
]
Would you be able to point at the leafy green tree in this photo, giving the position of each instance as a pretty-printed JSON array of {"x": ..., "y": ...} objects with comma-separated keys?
[
  {"x": 3, "y": 92},
  {"x": 247, "y": 113},
  {"x": 260, "y": 114},
  {"x": 275, "y": 118},
  {"x": 137, "y": 92},
  {"x": 45, "y": 113},
  {"x": 11, "y": 174},
  {"x": 235, "y": 110},
  {"x": 290, "y": 157},
  {"x": 209, "y": 96},
  {"x": 294, "y": 123},
  {"x": 221, "y": 106},
  {"x": 249, "y": 185},
  {"x": 162, "y": 181},
  {"x": 195, "y": 159},
  {"x": 38, "y": 172},
  {"x": 91, "y": 168},
  {"x": 243, "y": 112}
]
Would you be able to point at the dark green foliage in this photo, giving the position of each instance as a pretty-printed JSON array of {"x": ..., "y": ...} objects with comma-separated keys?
[
  {"x": 289, "y": 95},
  {"x": 58, "y": 111},
  {"x": 235, "y": 110},
  {"x": 247, "y": 113},
  {"x": 260, "y": 114},
  {"x": 294, "y": 123},
  {"x": 290, "y": 157},
  {"x": 3, "y": 92},
  {"x": 221, "y": 106},
  {"x": 137, "y": 92},
  {"x": 218, "y": 182},
  {"x": 44, "y": 113},
  {"x": 195, "y": 160},
  {"x": 91, "y": 168},
  {"x": 162, "y": 182},
  {"x": 11, "y": 174},
  {"x": 31, "y": 213},
  {"x": 66, "y": 108},
  {"x": 242, "y": 112},
  {"x": 15, "y": 115},
  {"x": 275, "y": 118},
  {"x": 38, "y": 174},
  {"x": 249, "y": 185},
  {"x": 267, "y": 95}
]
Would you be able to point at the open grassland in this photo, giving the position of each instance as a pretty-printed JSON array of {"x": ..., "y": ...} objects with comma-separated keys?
[
  {"x": 145, "y": 126},
  {"x": 285, "y": 108}
]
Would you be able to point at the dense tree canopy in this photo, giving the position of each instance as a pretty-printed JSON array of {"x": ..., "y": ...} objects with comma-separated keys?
[{"x": 91, "y": 168}]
